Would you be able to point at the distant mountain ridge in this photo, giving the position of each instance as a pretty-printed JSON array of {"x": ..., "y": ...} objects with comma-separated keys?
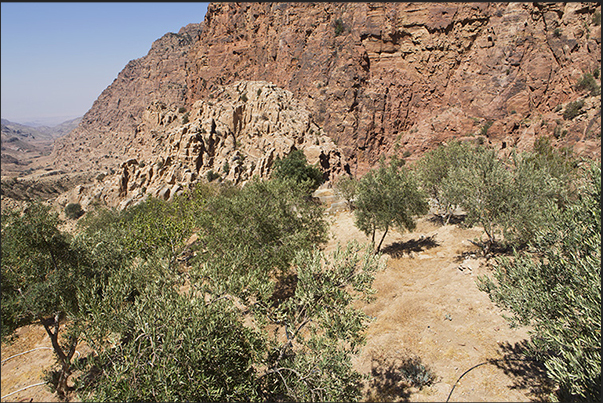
[
  {"x": 39, "y": 132},
  {"x": 22, "y": 145}
]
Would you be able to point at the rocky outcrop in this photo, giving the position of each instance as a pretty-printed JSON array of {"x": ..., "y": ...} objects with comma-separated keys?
[
  {"x": 234, "y": 136},
  {"x": 106, "y": 133},
  {"x": 378, "y": 78}
]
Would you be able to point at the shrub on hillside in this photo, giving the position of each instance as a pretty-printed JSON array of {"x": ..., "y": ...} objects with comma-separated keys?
[
  {"x": 74, "y": 211},
  {"x": 296, "y": 167},
  {"x": 588, "y": 83},
  {"x": 573, "y": 109}
]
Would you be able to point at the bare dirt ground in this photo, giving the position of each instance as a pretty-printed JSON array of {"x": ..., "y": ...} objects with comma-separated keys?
[{"x": 427, "y": 307}]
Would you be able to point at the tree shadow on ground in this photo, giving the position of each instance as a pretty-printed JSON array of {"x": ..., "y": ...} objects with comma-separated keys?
[
  {"x": 455, "y": 219},
  {"x": 393, "y": 378},
  {"x": 398, "y": 249},
  {"x": 526, "y": 373}
]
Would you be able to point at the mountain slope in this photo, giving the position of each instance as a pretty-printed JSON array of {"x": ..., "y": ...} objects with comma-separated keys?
[
  {"x": 23, "y": 146},
  {"x": 379, "y": 78}
]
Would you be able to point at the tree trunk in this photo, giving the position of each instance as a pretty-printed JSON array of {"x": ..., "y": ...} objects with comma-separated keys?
[
  {"x": 382, "y": 238},
  {"x": 64, "y": 359}
]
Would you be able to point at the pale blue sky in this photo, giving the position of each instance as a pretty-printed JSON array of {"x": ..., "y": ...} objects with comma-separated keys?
[{"x": 58, "y": 57}]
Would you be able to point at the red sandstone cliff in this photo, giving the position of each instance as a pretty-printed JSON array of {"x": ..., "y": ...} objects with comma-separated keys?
[{"x": 377, "y": 77}]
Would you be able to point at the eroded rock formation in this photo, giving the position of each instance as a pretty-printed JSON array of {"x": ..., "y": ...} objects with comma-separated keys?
[{"x": 235, "y": 135}]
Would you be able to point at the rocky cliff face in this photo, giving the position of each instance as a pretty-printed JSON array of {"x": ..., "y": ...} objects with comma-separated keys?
[
  {"x": 235, "y": 135},
  {"x": 105, "y": 136},
  {"x": 377, "y": 78}
]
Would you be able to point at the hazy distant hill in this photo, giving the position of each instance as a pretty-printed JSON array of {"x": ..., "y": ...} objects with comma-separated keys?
[
  {"x": 39, "y": 133},
  {"x": 22, "y": 145}
]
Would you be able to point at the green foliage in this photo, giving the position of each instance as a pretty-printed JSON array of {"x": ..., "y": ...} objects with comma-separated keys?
[
  {"x": 211, "y": 175},
  {"x": 345, "y": 186},
  {"x": 339, "y": 27},
  {"x": 226, "y": 167},
  {"x": 386, "y": 197},
  {"x": 174, "y": 347},
  {"x": 73, "y": 211},
  {"x": 542, "y": 182},
  {"x": 37, "y": 259},
  {"x": 44, "y": 279},
  {"x": 182, "y": 109},
  {"x": 254, "y": 232},
  {"x": 573, "y": 109},
  {"x": 587, "y": 82},
  {"x": 596, "y": 73},
  {"x": 296, "y": 167},
  {"x": 244, "y": 97},
  {"x": 556, "y": 289},
  {"x": 596, "y": 20},
  {"x": 315, "y": 326},
  {"x": 434, "y": 167},
  {"x": 512, "y": 197},
  {"x": 559, "y": 133},
  {"x": 257, "y": 269},
  {"x": 557, "y": 32},
  {"x": 185, "y": 118},
  {"x": 156, "y": 227},
  {"x": 480, "y": 184}
]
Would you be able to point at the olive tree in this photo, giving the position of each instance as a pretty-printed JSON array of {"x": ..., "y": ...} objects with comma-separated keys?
[
  {"x": 345, "y": 186},
  {"x": 261, "y": 225},
  {"x": 434, "y": 167},
  {"x": 43, "y": 279},
  {"x": 234, "y": 328},
  {"x": 555, "y": 287},
  {"x": 481, "y": 185},
  {"x": 542, "y": 181},
  {"x": 388, "y": 196}
]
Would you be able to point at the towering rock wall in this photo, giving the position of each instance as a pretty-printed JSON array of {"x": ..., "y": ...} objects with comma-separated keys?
[{"x": 378, "y": 78}]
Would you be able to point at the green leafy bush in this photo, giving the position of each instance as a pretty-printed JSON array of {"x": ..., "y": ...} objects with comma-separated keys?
[
  {"x": 44, "y": 280},
  {"x": 596, "y": 20},
  {"x": 556, "y": 289},
  {"x": 339, "y": 27},
  {"x": 185, "y": 118},
  {"x": 573, "y": 109},
  {"x": 434, "y": 167},
  {"x": 296, "y": 167},
  {"x": 587, "y": 82},
  {"x": 481, "y": 185},
  {"x": 74, "y": 211},
  {"x": 257, "y": 267},
  {"x": 211, "y": 175}
]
